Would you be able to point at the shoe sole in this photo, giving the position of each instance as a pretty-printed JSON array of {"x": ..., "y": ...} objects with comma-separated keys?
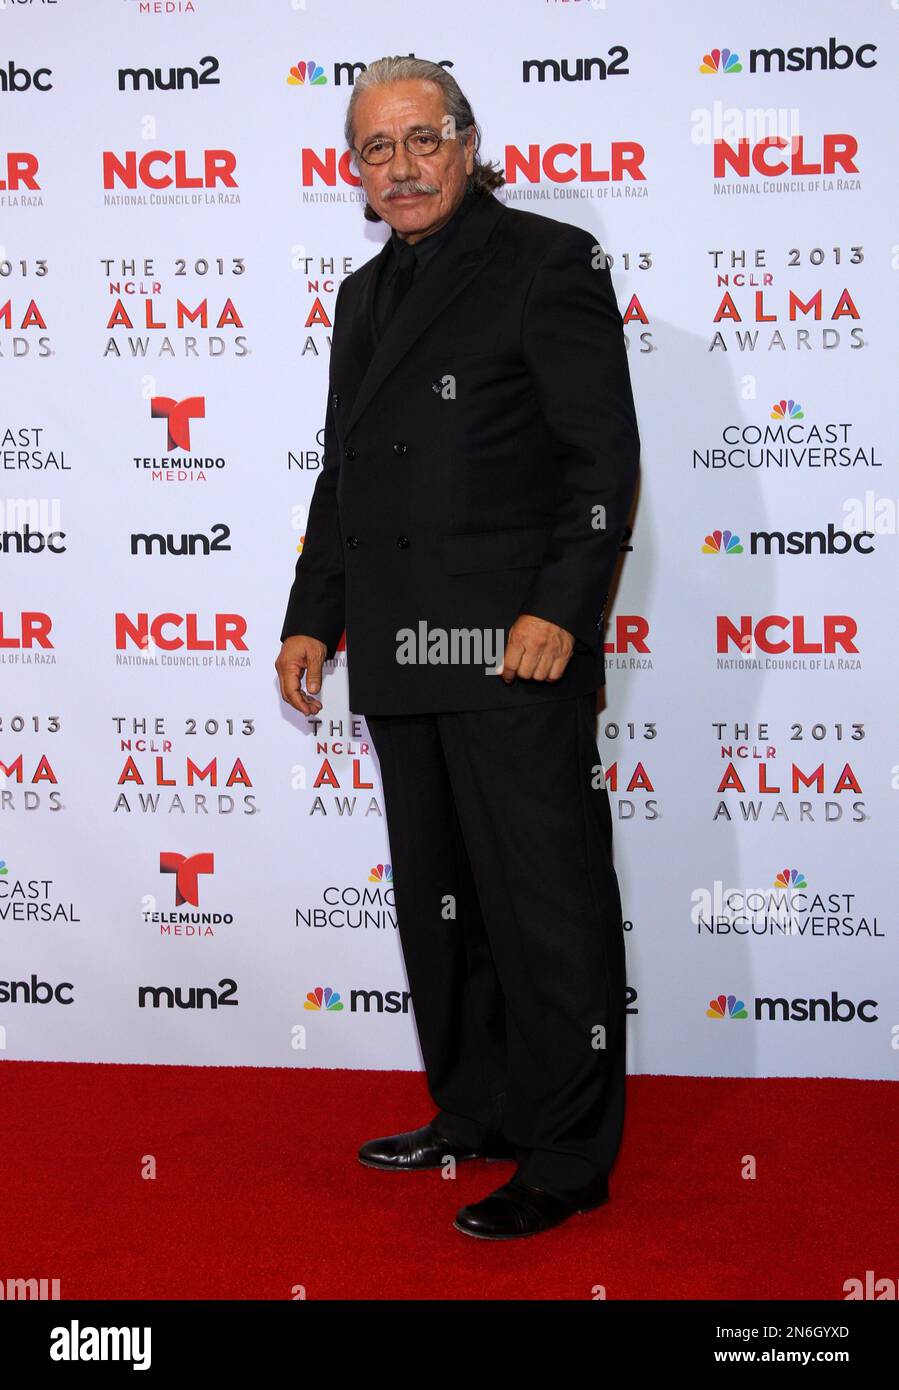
[{"x": 523, "y": 1235}]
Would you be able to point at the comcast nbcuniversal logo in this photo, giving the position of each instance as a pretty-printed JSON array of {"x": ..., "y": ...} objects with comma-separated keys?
[
  {"x": 326, "y": 1001},
  {"x": 785, "y": 439},
  {"x": 381, "y": 873},
  {"x": 308, "y": 74}
]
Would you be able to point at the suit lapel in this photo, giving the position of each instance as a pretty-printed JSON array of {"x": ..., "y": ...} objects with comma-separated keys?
[{"x": 452, "y": 268}]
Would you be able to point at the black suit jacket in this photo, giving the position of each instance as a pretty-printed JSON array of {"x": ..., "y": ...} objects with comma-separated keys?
[{"x": 479, "y": 462}]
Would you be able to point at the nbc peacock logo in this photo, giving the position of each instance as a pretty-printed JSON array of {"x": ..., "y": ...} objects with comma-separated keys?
[
  {"x": 308, "y": 74},
  {"x": 323, "y": 1001},
  {"x": 787, "y": 410},
  {"x": 726, "y": 1006},
  {"x": 722, "y": 543},
  {"x": 790, "y": 878},
  {"x": 3, "y": 867},
  {"x": 381, "y": 873},
  {"x": 721, "y": 60}
]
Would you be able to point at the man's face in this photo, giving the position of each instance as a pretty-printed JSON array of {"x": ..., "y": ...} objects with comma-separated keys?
[{"x": 414, "y": 194}]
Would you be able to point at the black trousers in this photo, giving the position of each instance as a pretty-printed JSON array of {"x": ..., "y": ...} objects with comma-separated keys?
[{"x": 509, "y": 916}]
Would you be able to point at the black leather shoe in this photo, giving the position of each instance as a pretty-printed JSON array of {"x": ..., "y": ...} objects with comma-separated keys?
[
  {"x": 517, "y": 1209},
  {"x": 425, "y": 1148}
]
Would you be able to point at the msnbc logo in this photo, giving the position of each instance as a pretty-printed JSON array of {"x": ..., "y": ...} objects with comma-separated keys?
[
  {"x": 726, "y": 1006},
  {"x": 721, "y": 60},
  {"x": 722, "y": 543},
  {"x": 790, "y": 878},
  {"x": 323, "y": 1001},
  {"x": 787, "y": 410},
  {"x": 381, "y": 873},
  {"x": 306, "y": 75}
]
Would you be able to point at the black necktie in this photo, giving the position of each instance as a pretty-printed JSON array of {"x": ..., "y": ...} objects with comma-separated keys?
[{"x": 399, "y": 285}]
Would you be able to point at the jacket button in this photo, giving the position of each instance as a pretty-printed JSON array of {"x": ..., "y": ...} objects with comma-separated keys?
[
  {"x": 349, "y": 452},
  {"x": 399, "y": 447},
  {"x": 352, "y": 542},
  {"x": 402, "y": 542},
  {"x": 335, "y": 400}
]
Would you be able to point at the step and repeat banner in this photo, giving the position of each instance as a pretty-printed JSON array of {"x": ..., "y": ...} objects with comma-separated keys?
[{"x": 191, "y": 873}]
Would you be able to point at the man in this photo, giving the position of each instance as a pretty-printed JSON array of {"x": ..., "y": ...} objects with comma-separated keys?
[{"x": 480, "y": 460}]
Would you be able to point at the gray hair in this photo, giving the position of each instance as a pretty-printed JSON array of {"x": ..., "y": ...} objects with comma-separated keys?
[{"x": 484, "y": 177}]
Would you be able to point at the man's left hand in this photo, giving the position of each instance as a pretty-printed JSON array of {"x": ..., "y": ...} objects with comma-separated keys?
[{"x": 536, "y": 650}]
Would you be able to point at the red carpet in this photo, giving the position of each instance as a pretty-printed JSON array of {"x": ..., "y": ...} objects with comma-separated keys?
[{"x": 258, "y": 1190}]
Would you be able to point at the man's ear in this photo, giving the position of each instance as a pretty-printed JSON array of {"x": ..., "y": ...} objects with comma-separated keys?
[{"x": 469, "y": 152}]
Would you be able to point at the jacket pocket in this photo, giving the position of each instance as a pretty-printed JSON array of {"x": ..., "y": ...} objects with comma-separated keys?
[{"x": 471, "y": 551}]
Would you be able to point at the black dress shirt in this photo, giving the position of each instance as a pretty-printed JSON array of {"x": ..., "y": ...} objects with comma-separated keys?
[{"x": 425, "y": 249}]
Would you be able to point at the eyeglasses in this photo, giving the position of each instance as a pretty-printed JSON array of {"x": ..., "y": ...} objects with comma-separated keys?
[{"x": 419, "y": 142}]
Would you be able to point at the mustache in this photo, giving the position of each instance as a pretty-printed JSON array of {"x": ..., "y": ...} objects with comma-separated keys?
[{"x": 397, "y": 190}]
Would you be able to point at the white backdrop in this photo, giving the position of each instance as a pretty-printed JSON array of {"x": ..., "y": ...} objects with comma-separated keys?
[{"x": 140, "y": 720}]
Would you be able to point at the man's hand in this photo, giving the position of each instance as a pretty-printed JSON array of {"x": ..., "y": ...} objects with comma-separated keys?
[
  {"x": 299, "y": 655},
  {"x": 536, "y": 650}
]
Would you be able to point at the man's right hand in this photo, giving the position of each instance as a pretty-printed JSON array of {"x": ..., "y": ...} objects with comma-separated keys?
[{"x": 299, "y": 656}]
